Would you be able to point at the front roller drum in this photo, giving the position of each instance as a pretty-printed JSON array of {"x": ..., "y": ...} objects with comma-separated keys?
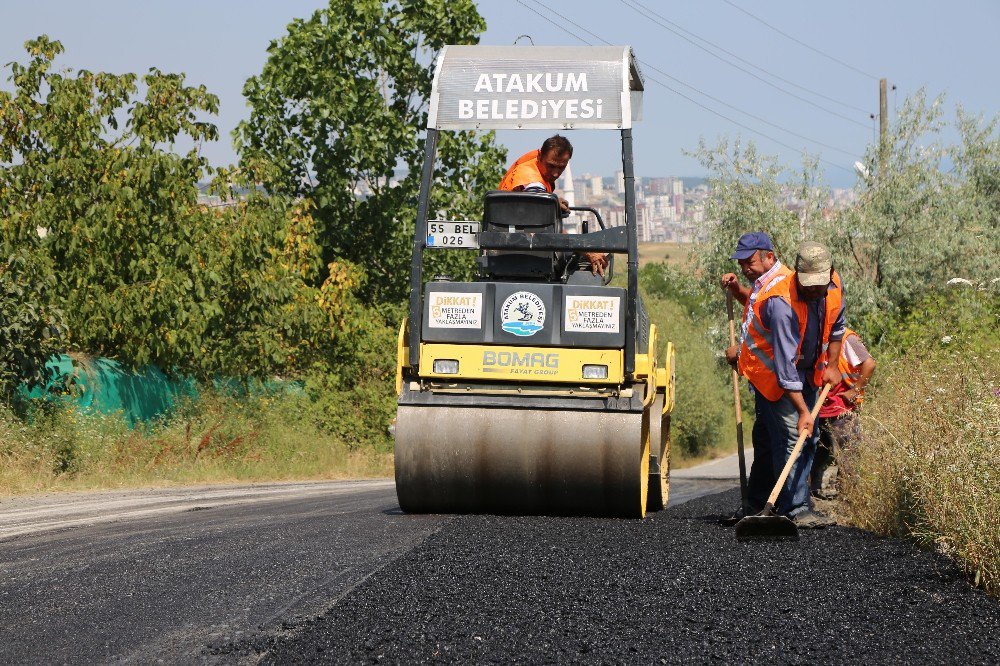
[{"x": 518, "y": 461}]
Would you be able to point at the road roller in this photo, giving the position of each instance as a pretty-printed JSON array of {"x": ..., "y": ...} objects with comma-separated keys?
[{"x": 537, "y": 386}]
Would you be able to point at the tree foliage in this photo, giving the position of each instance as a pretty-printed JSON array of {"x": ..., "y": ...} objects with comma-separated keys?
[
  {"x": 746, "y": 196},
  {"x": 339, "y": 109},
  {"x": 143, "y": 273},
  {"x": 30, "y": 326},
  {"x": 929, "y": 213}
]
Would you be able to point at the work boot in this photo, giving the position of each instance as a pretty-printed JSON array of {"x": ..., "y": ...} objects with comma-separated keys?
[{"x": 808, "y": 519}]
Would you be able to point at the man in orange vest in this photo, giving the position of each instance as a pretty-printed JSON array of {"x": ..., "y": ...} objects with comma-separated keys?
[
  {"x": 538, "y": 171},
  {"x": 791, "y": 321},
  {"x": 839, "y": 427}
]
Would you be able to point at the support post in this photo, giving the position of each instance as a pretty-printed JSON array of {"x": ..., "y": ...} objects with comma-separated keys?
[
  {"x": 419, "y": 242},
  {"x": 632, "y": 312}
]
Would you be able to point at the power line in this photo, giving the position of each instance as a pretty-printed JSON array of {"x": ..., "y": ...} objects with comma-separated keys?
[
  {"x": 661, "y": 83},
  {"x": 800, "y": 42},
  {"x": 747, "y": 113},
  {"x": 743, "y": 69},
  {"x": 743, "y": 60}
]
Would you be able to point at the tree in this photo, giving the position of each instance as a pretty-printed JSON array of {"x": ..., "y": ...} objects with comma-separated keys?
[
  {"x": 919, "y": 221},
  {"x": 31, "y": 327},
  {"x": 339, "y": 108},
  {"x": 747, "y": 196},
  {"x": 142, "y": 271}
]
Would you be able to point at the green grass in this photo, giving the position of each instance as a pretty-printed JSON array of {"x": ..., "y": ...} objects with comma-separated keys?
[
  {"x": 703, "y": 424},
  {"x": 927, "y": 465},
  {"x": 218, "y": 440},
  {"x": 675, "y": 254}
]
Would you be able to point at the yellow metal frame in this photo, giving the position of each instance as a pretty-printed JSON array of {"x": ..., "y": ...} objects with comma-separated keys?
[
  {"x": 549, "y": 364},
  {"x": 562, "y": 365},
  {"x": 666, "y": 378},
  {"x": 645, "y": 367}
]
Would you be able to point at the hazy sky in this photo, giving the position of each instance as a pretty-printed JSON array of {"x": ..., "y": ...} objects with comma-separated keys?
[{"x": 944, "y": 47}]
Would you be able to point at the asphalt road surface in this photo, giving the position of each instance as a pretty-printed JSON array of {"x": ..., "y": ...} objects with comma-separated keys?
[{"x": 286, "y": 573}]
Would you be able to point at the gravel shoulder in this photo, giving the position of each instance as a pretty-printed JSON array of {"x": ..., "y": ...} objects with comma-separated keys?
[{"x": 674, "y": 588}]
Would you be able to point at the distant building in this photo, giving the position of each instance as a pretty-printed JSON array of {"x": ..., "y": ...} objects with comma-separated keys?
[{"x": 597, "y": 186}]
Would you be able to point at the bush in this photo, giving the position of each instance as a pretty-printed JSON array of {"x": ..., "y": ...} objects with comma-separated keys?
[
  {"x": 219, "y": 438},
  {"x": 703, "y": 417},
  {"x": 927, "y": 464}
]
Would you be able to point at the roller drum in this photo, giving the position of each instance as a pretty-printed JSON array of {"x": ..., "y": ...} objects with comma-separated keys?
[{"x": 452, "y": 459}]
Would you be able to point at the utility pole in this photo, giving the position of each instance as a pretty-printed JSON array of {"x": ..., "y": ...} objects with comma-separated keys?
[{"x": 883, "y": 127}]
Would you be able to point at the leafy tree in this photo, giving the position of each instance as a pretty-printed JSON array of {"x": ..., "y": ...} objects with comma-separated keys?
[
  {"x": 30, "y": 327},
  {"x": 746, "y": 196},
  {"x": 339, "y": 108},
  {"x": 143, "y": 272},
  {"x": 920, "y": 221}
]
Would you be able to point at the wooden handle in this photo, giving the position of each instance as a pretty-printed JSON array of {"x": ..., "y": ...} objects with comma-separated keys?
[
  {"x": 739, "y": 413},
  {"x": 729, "y": 310},
  {"x": 798, "y": 447},
  {"x": 736, "y": 375}
]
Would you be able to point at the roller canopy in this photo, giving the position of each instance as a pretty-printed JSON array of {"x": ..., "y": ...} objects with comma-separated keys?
[{"x": 535, "y": 87}]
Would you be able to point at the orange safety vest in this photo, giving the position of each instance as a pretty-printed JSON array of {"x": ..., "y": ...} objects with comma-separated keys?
[
  {"x": 524, "y": 172},
  {"x": 849, "y": 376},
  {"x": 756, "y": 359},
  {"x": 834, "y": 298}
]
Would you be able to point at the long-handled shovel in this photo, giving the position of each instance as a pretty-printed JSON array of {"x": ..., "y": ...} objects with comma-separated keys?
[
  {"x": 767, "y": 524},
  {"x": 739, "y": 411}
]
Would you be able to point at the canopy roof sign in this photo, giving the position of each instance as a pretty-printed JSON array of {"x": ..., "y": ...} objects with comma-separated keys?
[{"x": 535, "y": 87}]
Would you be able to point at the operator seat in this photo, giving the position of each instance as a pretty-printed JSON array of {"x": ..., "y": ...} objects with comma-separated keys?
[{"x": 527, "y": 212}]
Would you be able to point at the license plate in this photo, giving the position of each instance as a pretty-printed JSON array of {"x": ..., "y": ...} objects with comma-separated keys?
[{"x": 452, "y": 235}]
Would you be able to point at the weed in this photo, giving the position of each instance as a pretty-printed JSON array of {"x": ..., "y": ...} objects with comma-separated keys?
[{"x": 927, "y": 464}]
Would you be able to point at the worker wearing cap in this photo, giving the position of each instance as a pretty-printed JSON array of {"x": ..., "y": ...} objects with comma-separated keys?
[
  {"x": 791, "y": 323},
  {"x": 761, "y": 267},
  {"x": 758, "y": 263},
  {"x": 839, "y": 427},
  {"x": 537, "y": 171}
]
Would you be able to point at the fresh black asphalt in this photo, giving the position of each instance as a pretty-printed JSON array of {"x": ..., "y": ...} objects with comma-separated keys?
[
  {"x": 675, "y": 588},
  {"x": 336, "y": 573},
  {"x": 170, "y": 586}
]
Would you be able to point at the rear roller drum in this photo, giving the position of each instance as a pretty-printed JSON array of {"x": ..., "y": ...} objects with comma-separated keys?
[{"x": 500, "y": 460}]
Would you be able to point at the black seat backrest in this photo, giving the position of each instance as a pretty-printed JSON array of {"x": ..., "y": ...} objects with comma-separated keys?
[
  {"x": 532, "y": 212},
  {"x": 528, "y": 212}
]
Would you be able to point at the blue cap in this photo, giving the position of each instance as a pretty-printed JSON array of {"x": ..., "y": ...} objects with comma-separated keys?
[{"x": 750, "y": 243}]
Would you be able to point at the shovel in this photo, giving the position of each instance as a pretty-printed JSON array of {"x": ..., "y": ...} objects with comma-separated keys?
[{"x": 767, "y": 524}]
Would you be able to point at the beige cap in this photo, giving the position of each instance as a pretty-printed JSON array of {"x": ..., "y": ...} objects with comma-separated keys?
[{"x": 813, "y": 264}]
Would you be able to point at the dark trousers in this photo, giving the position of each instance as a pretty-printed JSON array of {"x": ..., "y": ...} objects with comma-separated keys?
[
  {"x": 775, "y": 431},
  {"x": 837, "y": 435}
]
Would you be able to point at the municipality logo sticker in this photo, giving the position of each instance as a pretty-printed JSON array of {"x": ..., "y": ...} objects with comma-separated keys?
[{"x": 523, "y": 313}]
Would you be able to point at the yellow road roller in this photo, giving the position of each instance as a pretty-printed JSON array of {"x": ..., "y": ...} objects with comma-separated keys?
[{"x": 535, "y": 388}]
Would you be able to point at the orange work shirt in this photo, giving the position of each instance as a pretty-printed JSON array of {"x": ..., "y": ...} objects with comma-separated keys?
[{"x": 524, "y": 173}]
